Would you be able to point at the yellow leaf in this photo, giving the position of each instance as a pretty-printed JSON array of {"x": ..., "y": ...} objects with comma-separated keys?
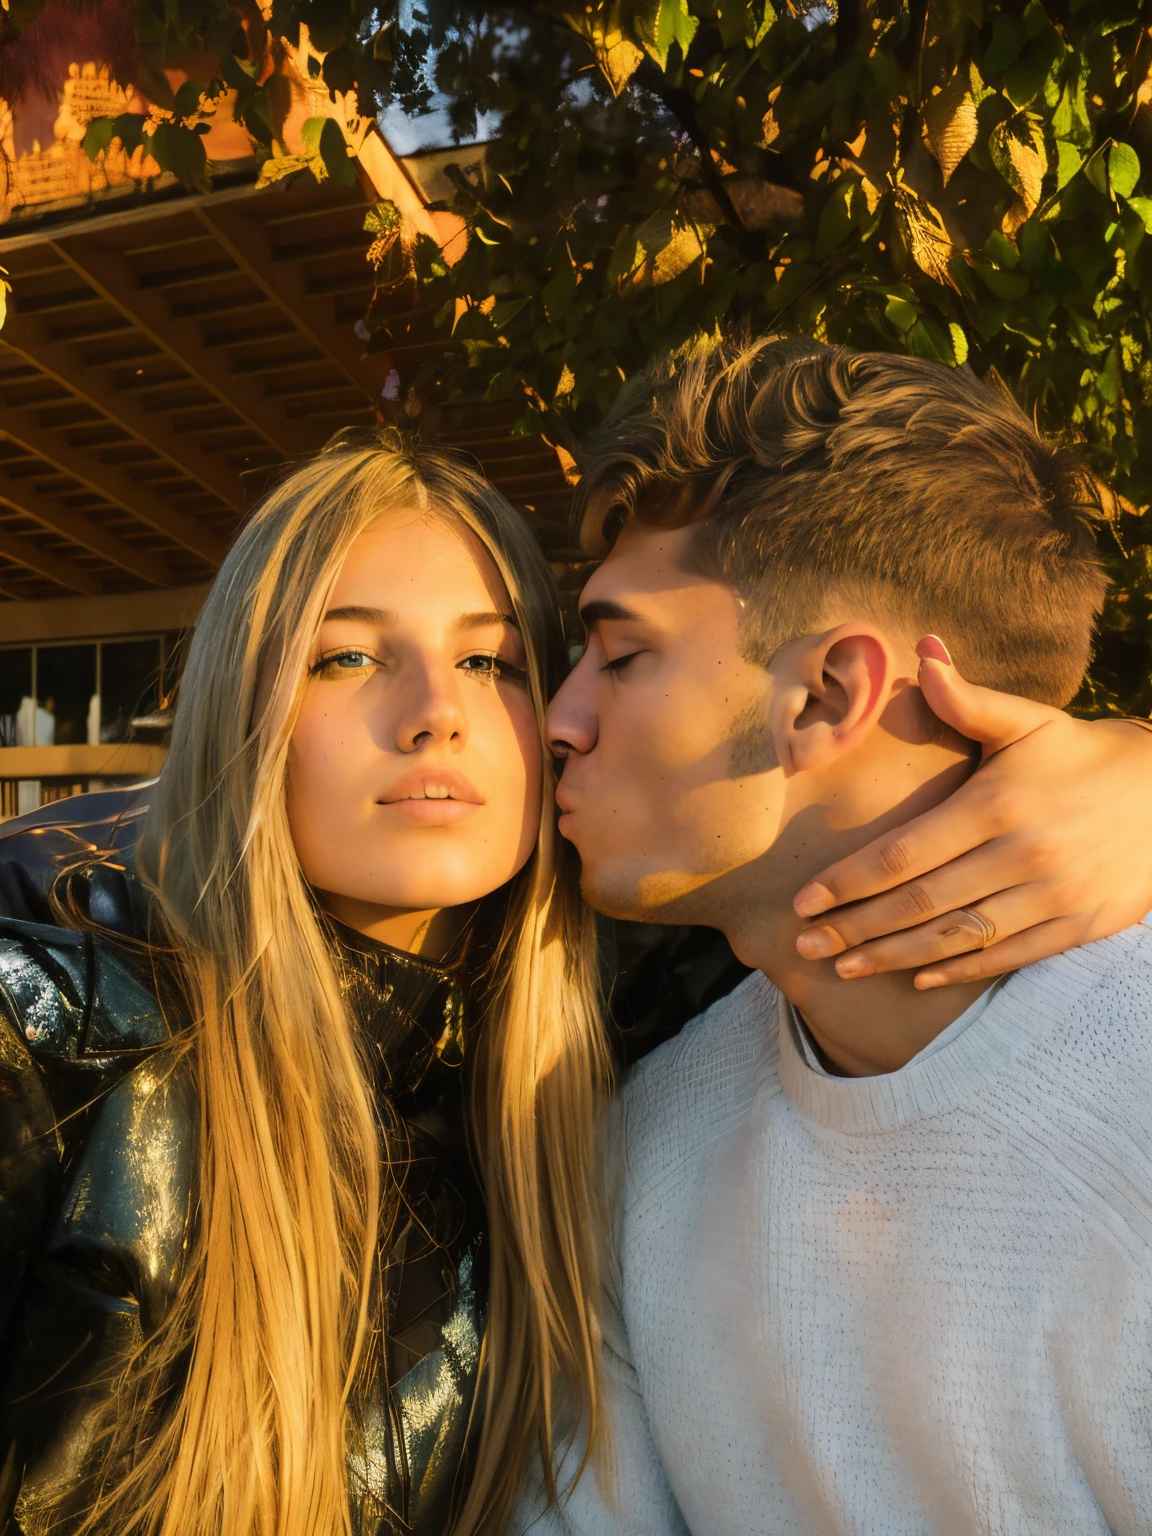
[
  {"x": 284, "y": 165},
  {"x": 950, "y": 123},
  {"x": 1018, "y": 153},
  {"x": 677, "y": 256},
  {"x": 928, "y": 240},
  {"x": 618, "y": 57}
]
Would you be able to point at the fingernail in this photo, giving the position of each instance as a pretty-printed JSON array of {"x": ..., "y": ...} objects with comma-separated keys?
[
  {"x": 819, "y": 943},
  {"x": 926, "y": 980},
  {"x": 853, "y": 965},
  {"x": 813, "y": 899},
  {"x": 932, "y": 648}
]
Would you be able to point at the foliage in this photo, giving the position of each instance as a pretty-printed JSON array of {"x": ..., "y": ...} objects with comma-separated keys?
[{"x": 966, "y": 180}]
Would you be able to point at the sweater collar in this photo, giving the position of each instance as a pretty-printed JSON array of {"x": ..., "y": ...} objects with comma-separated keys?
[{"x": 935, "y": 1078}]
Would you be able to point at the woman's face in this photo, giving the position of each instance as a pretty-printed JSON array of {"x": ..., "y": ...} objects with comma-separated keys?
[{"x": 414, "y": 771}]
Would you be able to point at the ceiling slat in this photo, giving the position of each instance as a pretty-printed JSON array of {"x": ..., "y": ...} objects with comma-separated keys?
[
  {"x": 52, "y": 443},
  {"x": 67, "y": 364},
  {"x": 286, "y": 286},
  {"x": 34, "y": 557},
  {"x": 19, "y": 492},
  {"x": 180, "y": 337}
]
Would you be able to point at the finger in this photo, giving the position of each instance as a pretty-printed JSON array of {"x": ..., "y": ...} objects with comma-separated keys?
[
  {"x": 982, "y": 714},
  {"x": 1036, "y": 943},
  {"x": 965, "y": 821},
  {"x": 951, "y": 933},
  {"x": 996, "y": 866}
]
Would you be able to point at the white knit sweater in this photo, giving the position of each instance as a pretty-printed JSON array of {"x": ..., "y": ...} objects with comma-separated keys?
[{"x": 904, "y": 1304}]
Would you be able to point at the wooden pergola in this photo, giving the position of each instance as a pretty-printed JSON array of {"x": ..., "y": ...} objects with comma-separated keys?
[
  {"x": 157, "y": 362},
  {"x": 160, "y": 360}
]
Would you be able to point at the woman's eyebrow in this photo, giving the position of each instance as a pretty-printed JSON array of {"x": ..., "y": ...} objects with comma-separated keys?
[
  {"x": 361, "y": 615},
  {"x": 354, "y": 613},
  {"x": 485, "y": 620}
]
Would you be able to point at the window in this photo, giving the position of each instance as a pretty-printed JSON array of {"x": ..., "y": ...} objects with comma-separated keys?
[{"x": 89, "y": 691}]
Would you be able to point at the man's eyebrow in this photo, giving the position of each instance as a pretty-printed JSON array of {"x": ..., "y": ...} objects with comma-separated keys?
[{"x": 602, "y": 608}]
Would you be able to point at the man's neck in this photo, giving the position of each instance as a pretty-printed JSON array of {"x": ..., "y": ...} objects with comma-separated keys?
[{"x": 874, "y": 1024}]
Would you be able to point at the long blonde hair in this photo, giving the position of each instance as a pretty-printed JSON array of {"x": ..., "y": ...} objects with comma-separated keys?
[{"x": 233, "y": 1416}]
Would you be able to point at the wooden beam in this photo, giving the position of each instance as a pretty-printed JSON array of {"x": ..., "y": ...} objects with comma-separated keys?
[
  {"x": 286, "y": 286},
  {"x": 27, "y": 553},
  {"x": 65, "y": 362},
  {"x": 134, "y": 758},
  {"x": 181, "y": 338},
  {"x": 22, "y": 426},
  {"x": 152, "y": 610},
  {"x": 19, "y": 492}
]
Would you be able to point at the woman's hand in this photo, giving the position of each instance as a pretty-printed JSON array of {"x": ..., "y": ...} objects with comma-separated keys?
[{"x": 1049, "y": 841}]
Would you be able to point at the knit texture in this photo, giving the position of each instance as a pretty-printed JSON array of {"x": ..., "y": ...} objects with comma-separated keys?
[{"x": 913, "y": 1303}]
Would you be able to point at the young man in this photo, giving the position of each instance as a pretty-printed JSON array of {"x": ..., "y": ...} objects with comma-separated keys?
[{"x": 881, "y": 1258}]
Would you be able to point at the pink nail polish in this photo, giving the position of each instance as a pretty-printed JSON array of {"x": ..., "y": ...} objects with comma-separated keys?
[{"x": 932, "y": 648}]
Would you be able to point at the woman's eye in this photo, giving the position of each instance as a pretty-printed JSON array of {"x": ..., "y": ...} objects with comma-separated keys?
[
  {"x": 481, "y": 665},
  {"x": 343, "y": 664}
]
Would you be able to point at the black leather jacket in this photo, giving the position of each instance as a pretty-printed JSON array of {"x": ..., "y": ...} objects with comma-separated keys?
[{"x": 98, "y": 1168}]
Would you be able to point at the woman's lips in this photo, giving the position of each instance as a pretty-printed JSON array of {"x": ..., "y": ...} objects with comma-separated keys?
[
  {"x": 430, "y": 813},
  {"x": 435, "y": 797}
]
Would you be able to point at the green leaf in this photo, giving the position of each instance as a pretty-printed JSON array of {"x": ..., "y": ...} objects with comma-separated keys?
[
  {"x": 1001, "y": 250},
  {"x": 1108, "y": 379},
  {"x": 326, "y": 150},
  {"x": 1096, "y": 170},
  {"x": 927, "y": 339},
  {"x": 340, "y": 69},
  {"x": 128, "y": 128},
  {"x": 901, "y": 314},
  {"x": 670, "y": 22},
  {"x": 98, "y": 137},
  {"x": 383, "y": 219},
  {"x": 767, "y": 22},
  {"x": 736, "y": 21},
  {"x": 835, "y": 218},
  {"x": 1007, "y": 40},
  {"x": 188, "y": 99},
  {"x": 1123, "y": 169},
  {"x": 1005, "y": 285},
  {"x": 178, "y": 150},
  {"x": 1142, "y": 207},
  {"x": 1068, "y": 160}
]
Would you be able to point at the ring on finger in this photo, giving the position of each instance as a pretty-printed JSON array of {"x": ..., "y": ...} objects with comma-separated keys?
[{"x": 985, "y": 925}]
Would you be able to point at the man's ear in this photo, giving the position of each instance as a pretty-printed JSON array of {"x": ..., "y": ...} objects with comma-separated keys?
[{"x": 831, "y": 689}]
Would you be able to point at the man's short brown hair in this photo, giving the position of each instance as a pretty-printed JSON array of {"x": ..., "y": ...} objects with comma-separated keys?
[{"x": 817, "y": 474}]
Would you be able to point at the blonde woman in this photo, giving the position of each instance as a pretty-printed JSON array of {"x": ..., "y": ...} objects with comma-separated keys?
[
  {"x": 253, "y": 1277},
  {"x": 297, "y": 1107}
]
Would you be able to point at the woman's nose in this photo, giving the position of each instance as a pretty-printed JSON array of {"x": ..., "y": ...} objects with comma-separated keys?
[{"x": 433, "y": 711}]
